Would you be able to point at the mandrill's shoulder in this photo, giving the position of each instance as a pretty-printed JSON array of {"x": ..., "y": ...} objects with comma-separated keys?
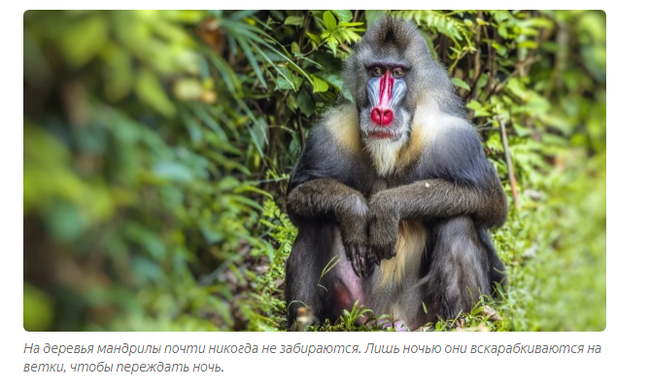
[
  {"x": 336, "y": 133},
  {"x": 457, "y": 155},
  {"x": 433, "y": 130},
  {"x": 333, "y": 149},
  {"x": 430, "y": 122},
  {"x": 341, "y": 125},
  {"x": 447, "y": 146}
]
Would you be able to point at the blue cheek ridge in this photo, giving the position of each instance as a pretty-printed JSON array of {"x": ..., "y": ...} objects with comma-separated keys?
[
  {"x": 399, "y": 91},
  {"x": 373, "y": 91}
]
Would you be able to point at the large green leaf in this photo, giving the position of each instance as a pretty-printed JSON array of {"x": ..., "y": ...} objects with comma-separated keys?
[{"x": 330, "y": 21}]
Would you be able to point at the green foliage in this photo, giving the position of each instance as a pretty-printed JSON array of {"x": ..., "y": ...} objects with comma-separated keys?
[
  {"x": 266, "y": 304},
  {"x": 158, "y": 146}
]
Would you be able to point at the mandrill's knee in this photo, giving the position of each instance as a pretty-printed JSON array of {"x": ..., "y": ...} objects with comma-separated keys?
[
  {"x": 457, "y": 231},
  {"x": 461, "y": 263},
  {"x": 456, "y": 244},
  {"x": 459, "y": 239}
]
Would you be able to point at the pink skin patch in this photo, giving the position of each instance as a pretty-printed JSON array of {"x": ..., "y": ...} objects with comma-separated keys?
[
  {"x": 347, "y": 287},
  {"x": 382, "y": 114}
]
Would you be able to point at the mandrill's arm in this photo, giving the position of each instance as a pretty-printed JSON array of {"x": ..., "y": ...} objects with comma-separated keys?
[
  {"x": 330, "y": 199},
  {"x": 463, "y": 183},
  {"x": 429, "y": 200},
  {"x": 316, "y": 191}
]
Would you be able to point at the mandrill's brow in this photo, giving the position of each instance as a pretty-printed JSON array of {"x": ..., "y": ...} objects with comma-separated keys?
[{"x": 388, "y": 65}]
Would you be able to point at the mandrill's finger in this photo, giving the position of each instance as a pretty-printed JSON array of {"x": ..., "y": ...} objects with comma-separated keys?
[
  {"x": 355, "y": 266},
  {"x": 386, "y": 252},
  {"x": 362, "y": 266},
  {"x": 372, "y": 258},
  {"x": 361, "y": 261},
  {"x": 369, "y": 267},
  {"x": 358, "y": 261}
]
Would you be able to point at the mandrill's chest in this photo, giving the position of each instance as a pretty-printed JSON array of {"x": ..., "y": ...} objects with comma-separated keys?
[{"x": 364, "y": 176}]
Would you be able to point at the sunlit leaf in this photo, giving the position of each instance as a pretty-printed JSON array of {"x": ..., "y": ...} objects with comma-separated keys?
[
  {"x": 319, "y": 85},
  {"x": 294, "y": 20},
  {"x": 330, "y": 21},
  {"x": 295, "y": 49},
  {"x": 460, "y": 83},
  {"x": 314, "y": 38},
  {"x": 343, "y": 15}
]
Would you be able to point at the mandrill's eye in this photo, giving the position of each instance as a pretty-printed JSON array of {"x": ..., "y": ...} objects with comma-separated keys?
[
  {"x": 398, "y": 72},
  {"x": 377, "y": 71}
]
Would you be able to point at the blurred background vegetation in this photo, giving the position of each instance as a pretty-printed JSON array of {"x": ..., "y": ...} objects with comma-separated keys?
[{"x": 158, "y": 144}]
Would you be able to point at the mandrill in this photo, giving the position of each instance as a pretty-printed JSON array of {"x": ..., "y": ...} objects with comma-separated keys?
[{"x": 395, "y": 191}]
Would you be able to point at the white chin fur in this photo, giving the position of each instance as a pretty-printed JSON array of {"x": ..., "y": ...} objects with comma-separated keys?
[{"x": 383, "y": 152}]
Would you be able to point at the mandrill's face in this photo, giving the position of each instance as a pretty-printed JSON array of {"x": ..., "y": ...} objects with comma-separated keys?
[{"x": 385, "y": 117}]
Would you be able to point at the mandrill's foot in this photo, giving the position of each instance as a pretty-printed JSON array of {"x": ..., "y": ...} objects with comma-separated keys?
[{"x": 304, "y": 318}]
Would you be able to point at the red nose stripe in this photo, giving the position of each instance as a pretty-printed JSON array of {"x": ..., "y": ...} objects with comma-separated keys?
[
  {"x": 385, "y": 88},
  {"x": 382, "y": 114}
]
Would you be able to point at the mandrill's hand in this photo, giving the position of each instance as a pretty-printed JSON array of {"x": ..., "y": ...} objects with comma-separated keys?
[
  {"x": 352, "y": 218},
  {"x": 383, "y": 228}
]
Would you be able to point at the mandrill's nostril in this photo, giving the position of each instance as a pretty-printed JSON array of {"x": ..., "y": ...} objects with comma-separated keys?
[{"x": 381, "y": 117}]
